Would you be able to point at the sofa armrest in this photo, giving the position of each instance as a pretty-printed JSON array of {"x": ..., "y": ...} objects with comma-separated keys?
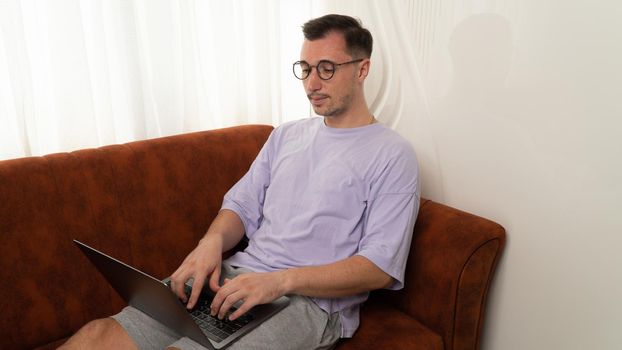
[
  {"x": 385, "y": 327},
  {"x": 450, "y": 268}
]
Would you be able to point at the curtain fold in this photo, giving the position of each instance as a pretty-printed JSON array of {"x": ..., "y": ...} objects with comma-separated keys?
[{"x": 86, "y": 73}]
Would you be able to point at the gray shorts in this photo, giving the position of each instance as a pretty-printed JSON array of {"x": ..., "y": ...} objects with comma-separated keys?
[{"x": 301, "y": 325}]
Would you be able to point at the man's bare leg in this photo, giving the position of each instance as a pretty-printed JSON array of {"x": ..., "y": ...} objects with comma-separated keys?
[{"x": 104, "y": 333}]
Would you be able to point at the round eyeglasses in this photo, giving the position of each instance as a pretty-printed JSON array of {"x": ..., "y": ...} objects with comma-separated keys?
[{"x": 325, "y": 69}]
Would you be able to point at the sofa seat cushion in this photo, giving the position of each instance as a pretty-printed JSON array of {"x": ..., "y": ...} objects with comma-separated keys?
[
  {"x": 377, "y": 321},
  {"x": 52, "y": 345},
  {"x": 384, "y": 327}
]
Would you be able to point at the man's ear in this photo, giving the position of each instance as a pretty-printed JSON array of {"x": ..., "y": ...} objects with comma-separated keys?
[{"x": 364, "y": 69}]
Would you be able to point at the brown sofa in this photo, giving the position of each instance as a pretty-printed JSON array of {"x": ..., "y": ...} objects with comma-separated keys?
[{"x": 148, "y": 203}]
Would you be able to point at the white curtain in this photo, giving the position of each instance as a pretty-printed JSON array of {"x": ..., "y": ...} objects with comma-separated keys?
[{"x": 85, "y": 73}]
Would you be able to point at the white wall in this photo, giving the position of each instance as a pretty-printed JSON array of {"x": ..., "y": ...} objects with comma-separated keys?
[{"x": 524, "y": 128}]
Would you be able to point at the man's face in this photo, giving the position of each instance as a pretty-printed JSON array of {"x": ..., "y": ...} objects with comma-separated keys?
[{"x": 333, "y": 97}]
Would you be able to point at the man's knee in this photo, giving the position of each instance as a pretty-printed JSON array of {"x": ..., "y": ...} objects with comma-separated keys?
[
  {"x": 101, "y": 333},
  {"x": 103, "y": 327}
]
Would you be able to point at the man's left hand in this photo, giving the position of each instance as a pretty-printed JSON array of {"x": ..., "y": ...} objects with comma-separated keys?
[{"x": 251, "y": 288}]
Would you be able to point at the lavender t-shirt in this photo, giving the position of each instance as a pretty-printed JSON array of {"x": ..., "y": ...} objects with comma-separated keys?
[{"x": 316, "y": 195}]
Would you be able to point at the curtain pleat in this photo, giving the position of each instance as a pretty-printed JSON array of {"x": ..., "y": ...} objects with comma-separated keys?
[{"x": 86, "y": 73}]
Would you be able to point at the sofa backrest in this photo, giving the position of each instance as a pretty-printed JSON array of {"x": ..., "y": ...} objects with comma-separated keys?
[{"x": 146, "y": 203}]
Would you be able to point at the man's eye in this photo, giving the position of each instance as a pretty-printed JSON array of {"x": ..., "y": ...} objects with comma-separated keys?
[{"x": 326, "y": 69}]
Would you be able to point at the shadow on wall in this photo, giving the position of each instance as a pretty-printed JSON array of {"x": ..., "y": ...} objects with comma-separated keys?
[
  {"x": 485, "y": 148},
  {"x": 522, "y": 126}
]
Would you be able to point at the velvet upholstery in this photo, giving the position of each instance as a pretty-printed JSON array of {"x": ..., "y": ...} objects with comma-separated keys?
[{"x": 148, "y": 202}]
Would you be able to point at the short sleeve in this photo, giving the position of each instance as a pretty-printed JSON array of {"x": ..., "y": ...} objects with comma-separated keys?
[
  {"x": 391, "y": 215},
  {"x": 246, "y": 197}
]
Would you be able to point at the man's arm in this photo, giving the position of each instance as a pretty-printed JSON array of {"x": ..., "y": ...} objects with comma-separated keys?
[
  {"x": 350, "y": 276},
  {"x": 346, "y": 277},
  {"x": 227, "y": 227},
  {"x": 205, "y": 260}
]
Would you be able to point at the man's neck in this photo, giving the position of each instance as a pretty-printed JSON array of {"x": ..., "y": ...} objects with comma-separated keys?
[
  {"x": 342, "y": 124},
  {"x": 353, "y": 119}
]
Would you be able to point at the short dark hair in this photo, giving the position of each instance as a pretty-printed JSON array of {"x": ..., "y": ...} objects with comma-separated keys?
[{"x": 359, "y": 41}]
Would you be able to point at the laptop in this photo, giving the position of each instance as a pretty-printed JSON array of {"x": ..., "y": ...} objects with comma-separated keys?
[{"x": 154, "y": 298}]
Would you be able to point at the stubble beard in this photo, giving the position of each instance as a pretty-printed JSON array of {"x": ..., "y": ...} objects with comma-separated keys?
[{"x": 336, "y": 110}]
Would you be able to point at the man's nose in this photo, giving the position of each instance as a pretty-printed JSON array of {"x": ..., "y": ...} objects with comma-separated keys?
[{"x": 313, "y": 81}]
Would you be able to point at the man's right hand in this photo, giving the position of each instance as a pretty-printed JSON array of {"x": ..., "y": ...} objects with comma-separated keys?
[
  {"x": 206, "y": 259},
  {"x": 203, "y": 262}
]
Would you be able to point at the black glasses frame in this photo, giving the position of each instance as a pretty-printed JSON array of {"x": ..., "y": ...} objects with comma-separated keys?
[{"x": 333, "y": 67}]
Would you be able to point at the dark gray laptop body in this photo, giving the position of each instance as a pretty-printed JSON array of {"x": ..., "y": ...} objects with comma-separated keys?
[{"x": 154, "y": 298}]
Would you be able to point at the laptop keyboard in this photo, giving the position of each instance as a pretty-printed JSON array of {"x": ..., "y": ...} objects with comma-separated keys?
[
  {"x": 214, "y": 328},
  {"x": 211, "y": 325}
]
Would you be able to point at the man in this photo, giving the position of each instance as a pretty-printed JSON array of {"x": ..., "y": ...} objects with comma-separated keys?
[{"x": 328, "y": 208}]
